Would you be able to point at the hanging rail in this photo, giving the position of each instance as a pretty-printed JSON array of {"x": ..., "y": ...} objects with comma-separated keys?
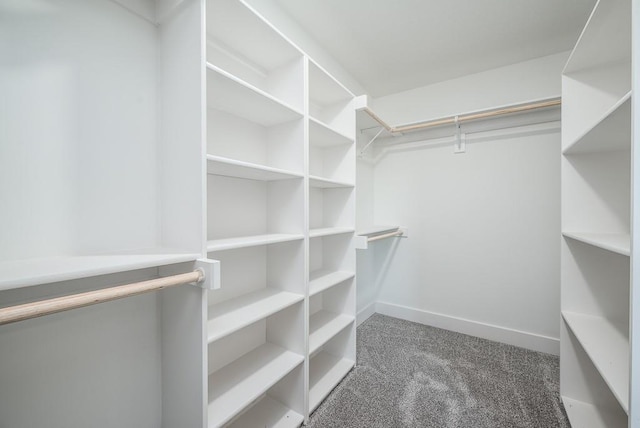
[
  {"x": 463, "y": 117},
  {"x": 65, "y": 303}
]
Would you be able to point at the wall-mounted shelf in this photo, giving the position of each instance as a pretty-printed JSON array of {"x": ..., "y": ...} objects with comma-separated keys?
[
  {"x": 268, "y": 412},
  {"x": 250, "y": 241},
  {"x": 329, "y": 231},
  {"x": 322, "y": 279},
  {"x": 326, "y": 183},
  {"x": 218, "y": 165},
  {"x": 324, "y": 325},
  {"x": 617, "y": 243}
]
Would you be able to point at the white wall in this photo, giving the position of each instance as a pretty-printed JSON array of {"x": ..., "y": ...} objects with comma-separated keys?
[
  {"x": 270, "y": 10},
  {"x": 518, "y": 83},
  {"x": 482, "y": 255}
]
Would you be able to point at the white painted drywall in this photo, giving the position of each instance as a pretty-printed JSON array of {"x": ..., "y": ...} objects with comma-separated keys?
[
  {"x": 274, "y": 13},
  {"x": 518, "y": 83},
  {"x": 484, "y": 231}
]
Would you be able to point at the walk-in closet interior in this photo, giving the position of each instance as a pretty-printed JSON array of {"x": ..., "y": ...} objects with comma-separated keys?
[{"x": 205, "y": 202}]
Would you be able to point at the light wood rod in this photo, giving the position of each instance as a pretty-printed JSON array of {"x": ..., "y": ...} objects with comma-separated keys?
[
  {"x": 464, "y": 117},
  {"x": 65, "y": 303},
  {"x": 384, "y": 236}
]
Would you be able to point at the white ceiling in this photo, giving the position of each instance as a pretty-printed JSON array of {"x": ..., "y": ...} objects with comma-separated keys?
[{"x": 394, "y": 45}]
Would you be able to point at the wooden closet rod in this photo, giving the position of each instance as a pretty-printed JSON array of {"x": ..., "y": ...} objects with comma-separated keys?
[
  {"x": 464, "y": 117},
  {"x": 65, "y": 303},
  {"x": 386, "y": 235}
]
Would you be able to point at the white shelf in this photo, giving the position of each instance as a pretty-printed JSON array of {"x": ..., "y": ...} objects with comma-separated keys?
[
  {"x": 218, "y": 165},
  {"x": 325, "y": 90},
  {"x": 607, "y": 348},
  {"x": 325, "y": 372},
  {"x": 268, "y": 413},
  {"x": 323, "y": 279},
  {"x": 232, "y": 315},
  {"x": 237, "y": 385},
  {"x": 324, "y": 325},
  {"x": 584, "y": 415},
  {"x": 610, "y": 133},
  {"x": 376, "y": 230},
  {"x": 606, "y": 38},
  {"x": 228, "y": 93},
  {"x": 30, "y": 272},
  {"x": 328, "y": 231},
  {"x": 326, "y": 183},
  {"x": 250, "y": 241},
  {"x": 617, "y": 243},
  {"x": 322, "y": 135}
]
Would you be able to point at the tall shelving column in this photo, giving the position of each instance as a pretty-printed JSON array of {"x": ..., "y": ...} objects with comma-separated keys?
[
  {"x": 331, "y": 287},
  {"x": 255, "y": 220},
  {"x": 596, "y": 204}
]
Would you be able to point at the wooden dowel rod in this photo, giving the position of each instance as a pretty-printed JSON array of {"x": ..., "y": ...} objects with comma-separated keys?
[
  {"x": 464, "y": 117},
  {"x": 65, "y": 303},
  {"x": 386, "y": 235}
]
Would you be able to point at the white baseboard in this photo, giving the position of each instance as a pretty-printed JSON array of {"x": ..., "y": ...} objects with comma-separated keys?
[
  {"x": 365, "y": 313},
  {"x": 496, "y": 333}
]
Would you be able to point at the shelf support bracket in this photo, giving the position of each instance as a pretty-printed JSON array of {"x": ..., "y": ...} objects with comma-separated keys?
[
  {"x": 364, "y": 149},
  {"x": 461, "y": 139}
]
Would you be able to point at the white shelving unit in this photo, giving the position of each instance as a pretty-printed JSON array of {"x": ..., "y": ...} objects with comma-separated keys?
[
  {"x": 596, "y": 204},
  {"x": 280, "y": 219},
  {"x": 103, "y": 169}
]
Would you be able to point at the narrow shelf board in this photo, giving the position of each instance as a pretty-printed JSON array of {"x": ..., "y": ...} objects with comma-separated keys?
[
  {"x": 324, "y": 90},
  {"x": 609, "y": 133},
  {"x": 326, "y": 183},
  {"x": 617, "y": 243},
  {"x": 607, "y": 348},
  {"x": 237, "y": 385},
  {"x": 328, "y": 231},
  {"x": 250, "y": 241},
  {"x": 323, "y": 279},
  {"x": 585, "y": 415},
  {"x": 217, "y": 165},
  {"x": 37, "y": 271},
  {"x": 268, "y": 413},
  {"x": 228, "y": 93},
  {"x": 322, "y": 135},
  {"x": 324, "y": 325},
  {"x": 325, "y": 372},
  {"x": 376, "y": 230},
  {"x": 232, "y": 315}
]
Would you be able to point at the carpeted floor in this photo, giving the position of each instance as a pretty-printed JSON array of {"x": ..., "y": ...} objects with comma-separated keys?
[{"x": 411, "y": 375}]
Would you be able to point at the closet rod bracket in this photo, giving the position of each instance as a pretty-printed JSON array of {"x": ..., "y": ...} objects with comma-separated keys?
[
  {"x": 460, "y": 145},
  {"x": 210, "y": 270}
]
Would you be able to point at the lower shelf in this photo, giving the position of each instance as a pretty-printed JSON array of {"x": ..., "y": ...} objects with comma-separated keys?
[
  {"x": 325, "y": 372},
  {"x": 607, "y": 348},
  {"x": 324, "y": 325},
  {"x": 235, "y": 386},
  {"x": 585, "y": 415},
  {"x": 322, "y": 279},
  {"x": 268, "y": 413}
]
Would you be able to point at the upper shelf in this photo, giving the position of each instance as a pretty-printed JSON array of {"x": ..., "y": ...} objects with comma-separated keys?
[
  {"x": 605, "y": 39},
  {"x": 250, "y": 241},
  {"x": 218, "y": 165},
  {"x": 616, "y": 243},
  {"x": 612, "y": 132},
  {"x": 322, "y": 135},
  {"x": 328, "y": 231},
  {"x": 29, "y": 272},
  {"x": 228, "y": 93},
  {"x": 326, "y": 183}
]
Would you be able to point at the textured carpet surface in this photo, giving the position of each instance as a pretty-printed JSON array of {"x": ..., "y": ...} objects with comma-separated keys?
[{"x": 411, "y": 375}]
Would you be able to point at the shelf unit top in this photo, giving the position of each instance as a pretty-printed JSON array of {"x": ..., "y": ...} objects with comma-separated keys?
[
  {"x": 327, "y": 183},
  {"x": 328, "y": 231},
  {"x": 324, "y": 325},
  {"x": 228, "y": 93},
  {"x": 233, "y": 26},
  {"x": 232, "y": 315},
  {"x": 607, "y": 348},
  {"x": 323, "y": 279},
  {"x": 218, "y": 165},
  {"x": 236, "y": 385},
  {"x": 324, "y": 90},
  {"x": 617, "y": 243},
  {"x": 270, "y": 413},
  {"x": 606, "y": 38},
  {"x": 325, "y": 371},
  {"x": 250, "y": 241},
  {"x": 30, "y": 272},
  {"x": 610, "y": 133},
  {"x": 322, "y": 135}
]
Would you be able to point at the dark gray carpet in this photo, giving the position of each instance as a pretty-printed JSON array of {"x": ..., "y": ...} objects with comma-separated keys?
[{"x": 411, "y": 375}]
